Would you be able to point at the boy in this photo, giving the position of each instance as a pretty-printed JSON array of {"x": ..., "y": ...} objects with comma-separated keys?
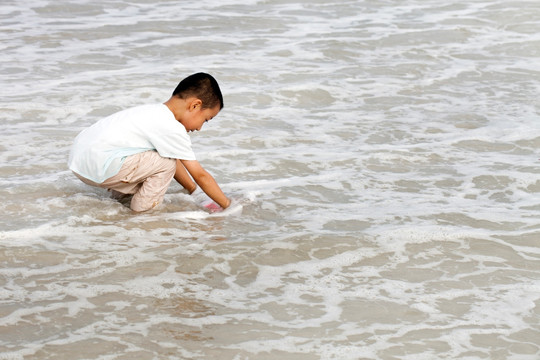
[{"x": 139, "y": 150}]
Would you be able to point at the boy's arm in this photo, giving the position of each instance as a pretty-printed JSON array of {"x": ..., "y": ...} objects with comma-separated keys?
[
  {"x": 204, "y": 180},
  {"x": 183, "y": 178}
]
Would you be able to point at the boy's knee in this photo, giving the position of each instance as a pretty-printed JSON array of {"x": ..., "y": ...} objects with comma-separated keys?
[
  {"x": 171, "y": 166},
  {"x": 152, "y": 190}
]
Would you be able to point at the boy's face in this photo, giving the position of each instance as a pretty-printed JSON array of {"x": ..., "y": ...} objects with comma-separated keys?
[{"x": 197, "y": 116}]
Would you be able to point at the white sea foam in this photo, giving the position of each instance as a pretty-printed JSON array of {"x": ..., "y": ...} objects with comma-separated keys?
[{"x": 383, "y": 158}]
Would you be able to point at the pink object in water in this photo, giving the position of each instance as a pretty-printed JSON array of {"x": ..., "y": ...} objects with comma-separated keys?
[{"x": 213, "y": 207}]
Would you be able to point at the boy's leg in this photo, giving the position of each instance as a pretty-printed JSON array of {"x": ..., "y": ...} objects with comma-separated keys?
[
  {"x": 122, "y": 197},
  {"x": 147, "y": 176},
  {"x": 150, "y": 194}
]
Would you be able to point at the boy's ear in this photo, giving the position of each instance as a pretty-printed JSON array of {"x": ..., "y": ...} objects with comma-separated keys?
[{"x": 195, "y": 103}]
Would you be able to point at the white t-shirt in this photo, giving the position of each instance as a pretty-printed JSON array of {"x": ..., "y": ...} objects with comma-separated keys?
[{"x": 100, "y": 150}]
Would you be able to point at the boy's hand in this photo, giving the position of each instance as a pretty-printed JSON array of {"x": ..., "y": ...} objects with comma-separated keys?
[{"x": 206, "y": 182}]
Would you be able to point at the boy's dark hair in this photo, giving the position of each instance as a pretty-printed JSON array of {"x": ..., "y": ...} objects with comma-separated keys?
[{"x": 202, "y": 86}]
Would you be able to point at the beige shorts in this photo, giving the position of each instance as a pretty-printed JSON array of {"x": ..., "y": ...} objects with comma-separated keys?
[{"x": 146, "y": 175}]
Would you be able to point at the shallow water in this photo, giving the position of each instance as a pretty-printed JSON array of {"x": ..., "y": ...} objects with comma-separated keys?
[{"x": 384, "y": 153}]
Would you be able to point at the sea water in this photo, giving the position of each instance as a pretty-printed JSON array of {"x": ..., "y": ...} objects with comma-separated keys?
[{"x": 383, "y": 157}]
